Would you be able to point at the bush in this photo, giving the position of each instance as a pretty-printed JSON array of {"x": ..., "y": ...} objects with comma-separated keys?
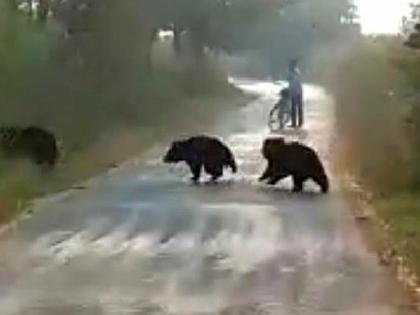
[
  {"x": 378, "y": 118},
  {"x": 370, "y": 112}
]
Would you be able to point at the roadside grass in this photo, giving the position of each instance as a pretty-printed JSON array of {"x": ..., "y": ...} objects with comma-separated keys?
[
  {"x": 374, "y": 87},
  {"x": 19, "y": 182},
  {"x": 401, "y": 215}
]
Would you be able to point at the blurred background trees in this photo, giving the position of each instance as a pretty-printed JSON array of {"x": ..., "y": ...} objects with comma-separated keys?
[{"x": 97, "y": 64}]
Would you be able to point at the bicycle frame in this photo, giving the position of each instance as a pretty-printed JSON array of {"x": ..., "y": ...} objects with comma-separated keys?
[{"x": 279, "y": 116}]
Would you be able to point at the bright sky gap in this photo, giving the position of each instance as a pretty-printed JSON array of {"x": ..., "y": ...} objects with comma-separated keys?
[{"x": 382, "y": 17}]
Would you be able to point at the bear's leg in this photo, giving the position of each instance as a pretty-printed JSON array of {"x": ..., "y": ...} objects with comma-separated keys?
[
  {"x": 269, "y": 171},
  {"x": 216, "y": 175},
  {"x": 276, "y": 178},
  {"x": 323, "y": 183},
  {"x": 298, "y": 183},
  {"x": 215, "y": 170},
  {"x": 273, "y": 180},
  {"x": 267, "y": 174},
  {"x": 37, "y": 157},
  {"x": 196, "y": 170}
]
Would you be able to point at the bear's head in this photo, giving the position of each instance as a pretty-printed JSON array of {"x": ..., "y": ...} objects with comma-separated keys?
[
  {"x": 272, "y": 147},
  {"x": 176, "y": 152}
]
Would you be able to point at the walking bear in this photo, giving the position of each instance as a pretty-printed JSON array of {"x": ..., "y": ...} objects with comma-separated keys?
[
  {"x": 202, "y": 151},
  {"x": 37, "y": 144},
  {"x": 292, "y": 159}
]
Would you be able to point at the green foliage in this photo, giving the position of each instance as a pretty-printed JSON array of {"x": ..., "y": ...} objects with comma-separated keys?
[
  {"x": 300, "y": 29},
  {"x": 369, "y": 89},
  {"x": 93, "y": 79},
  {"x": 376, "y": 87},
  {"x": 401, "y": 215},
  {"x": 198, "y": 25}
]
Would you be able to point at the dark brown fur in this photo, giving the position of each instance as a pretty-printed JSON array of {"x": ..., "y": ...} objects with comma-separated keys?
[
  {"x": 37, "y": 144},
  {"x": 199, "y": 152},
  {"x": 292, "y": 159}
]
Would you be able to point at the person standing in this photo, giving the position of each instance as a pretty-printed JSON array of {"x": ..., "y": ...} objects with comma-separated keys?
[{"x": 296, "y": 93}]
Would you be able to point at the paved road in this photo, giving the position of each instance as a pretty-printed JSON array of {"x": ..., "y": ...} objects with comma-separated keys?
[{"x": 142, "y": 240}]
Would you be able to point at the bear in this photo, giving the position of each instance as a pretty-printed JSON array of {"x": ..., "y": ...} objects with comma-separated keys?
[
  {"x": 202, "y": 151},
  {"x": 292, "y": 159},
  {"x": 37, "y": 144}
]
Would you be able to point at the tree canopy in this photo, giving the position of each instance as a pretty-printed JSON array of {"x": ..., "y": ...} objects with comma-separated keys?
[
  {"x": 197, "y": 25},
  {"x": 304, "y": 27}
]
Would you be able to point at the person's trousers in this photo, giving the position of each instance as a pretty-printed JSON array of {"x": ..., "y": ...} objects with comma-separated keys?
[{"x": 297, "y": 110}]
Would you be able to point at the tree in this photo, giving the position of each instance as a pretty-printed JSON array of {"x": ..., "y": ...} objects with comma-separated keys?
[
  {"x": 303, "y": 27},
  {"x": 197, "y": 25},
  {"x": 411, "y": 28},
  {"x": 43, "y": 10},
  {"x": 217, "y": 25}
]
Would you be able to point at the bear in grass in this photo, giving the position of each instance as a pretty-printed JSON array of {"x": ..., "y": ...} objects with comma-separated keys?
[
  {"x": 199, "y": 152},
  {"x": 37, "y": 144},
  {"x": 292, "y": 159}
]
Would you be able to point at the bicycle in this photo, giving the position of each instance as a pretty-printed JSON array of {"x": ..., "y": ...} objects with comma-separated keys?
[{"x": 280, "y": 114}]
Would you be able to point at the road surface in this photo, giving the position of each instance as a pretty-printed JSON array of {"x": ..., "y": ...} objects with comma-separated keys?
[{"x": 142, "y": 240}]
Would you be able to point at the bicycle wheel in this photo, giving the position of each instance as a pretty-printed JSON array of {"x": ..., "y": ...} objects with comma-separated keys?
[
  {"x": 278, "y": 119},
  {"x": 273, "y": 122},
  {"x": 283, "y": 117}
]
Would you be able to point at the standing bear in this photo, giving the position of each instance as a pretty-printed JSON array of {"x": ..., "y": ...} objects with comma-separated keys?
[
  {"x": 292, "y": 159},
  {"x": 199, "y": 152}
]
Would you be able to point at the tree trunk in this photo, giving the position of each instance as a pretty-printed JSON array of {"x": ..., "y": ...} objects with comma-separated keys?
[
  {"x": 177, "y": 41},
  {"x": 151, "y": 40},
  {"x": 43, "y": 10},
  {"x": 12, "y": 4},
  {"x": 30, "y": 4},
  {"x": 197, "y": 46}
]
